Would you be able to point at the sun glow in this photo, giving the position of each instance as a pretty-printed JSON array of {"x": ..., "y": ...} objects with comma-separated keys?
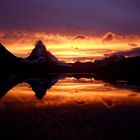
[{"x": 68, "y": 48}]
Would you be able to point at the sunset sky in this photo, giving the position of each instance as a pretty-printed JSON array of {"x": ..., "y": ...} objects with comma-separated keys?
[{"x": 71, "y": 29}]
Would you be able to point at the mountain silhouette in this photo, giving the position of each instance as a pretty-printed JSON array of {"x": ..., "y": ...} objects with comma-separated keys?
[
  {"x": 39, "y": 83},
  {"x": 6, "y": 56},
  {"x": 42, "y": 61},
  {"x": 41, "y": 70},
  {"x": 7, "y": 82},
  {"x": 40, "y": 55}
]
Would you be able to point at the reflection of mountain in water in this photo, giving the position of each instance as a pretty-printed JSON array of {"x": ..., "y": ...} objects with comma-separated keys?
[
  {"x": 117, "y": 69},
  {"x": 41, "y": 83}
]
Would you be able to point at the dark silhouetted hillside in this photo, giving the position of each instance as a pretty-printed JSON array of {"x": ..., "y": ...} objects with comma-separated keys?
[{"x": 42, "y": 61}]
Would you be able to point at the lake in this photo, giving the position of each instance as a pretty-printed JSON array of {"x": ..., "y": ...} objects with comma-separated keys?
[{"x": 67, "y": 107}]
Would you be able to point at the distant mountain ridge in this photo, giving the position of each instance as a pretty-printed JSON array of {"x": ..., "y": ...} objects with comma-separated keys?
[{"x": 42, "y": 61}]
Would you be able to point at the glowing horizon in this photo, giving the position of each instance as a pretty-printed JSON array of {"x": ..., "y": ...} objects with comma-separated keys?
[{"x": 69, "y": 48}]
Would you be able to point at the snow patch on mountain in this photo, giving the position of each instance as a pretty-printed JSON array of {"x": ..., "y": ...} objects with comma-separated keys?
[{"x": 40, "y": 55}]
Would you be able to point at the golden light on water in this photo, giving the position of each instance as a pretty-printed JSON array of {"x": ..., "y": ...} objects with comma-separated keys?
[
  {"x": 71, "y": 91},
  {"x": 71, "y": 48}
]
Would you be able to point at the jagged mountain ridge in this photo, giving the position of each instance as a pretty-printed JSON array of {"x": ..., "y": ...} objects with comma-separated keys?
[
  {"x": 40, "y": 55},
  {"x": 40, "y": 51},
  {"x": 42, "y": 61},
  {"x": 6, "y": 55}
]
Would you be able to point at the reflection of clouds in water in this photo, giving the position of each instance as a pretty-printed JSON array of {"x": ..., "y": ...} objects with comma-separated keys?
[
  {"x": 105, "y": 89},
  {"x": 85, "y": 80},
  {"x": 132, "y": 95},
  {"x": 53, "y": 100},
  {"x": 126, "y": 85},
  {"x": 107, "y": 102},
  {"x": 83, "y": 84},
  {"x": 80, "y": 102},
  {"x": 70, "y": 91},
  {"x": 23, "y": 85}
]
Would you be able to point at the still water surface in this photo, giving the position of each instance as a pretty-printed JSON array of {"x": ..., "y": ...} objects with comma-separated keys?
[
  {"x": 70, "y": 109},
  {"x": 72, "y": 91}
]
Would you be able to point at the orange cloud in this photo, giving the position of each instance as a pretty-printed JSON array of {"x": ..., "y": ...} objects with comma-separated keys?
[
  {"x": 108, "y": 37},
  {"x": 80, "y": 37},
  {"x": 68, "y": 47}
]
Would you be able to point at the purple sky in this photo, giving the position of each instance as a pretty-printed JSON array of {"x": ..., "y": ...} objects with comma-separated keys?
[{"x": 93, "y": 16}]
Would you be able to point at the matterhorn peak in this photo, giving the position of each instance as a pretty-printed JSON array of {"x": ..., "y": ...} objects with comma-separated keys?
[
  {"x": 40, "y": 48},
  {"x": 38, "y": 51},
  {"x": 40, "y": 55}
]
